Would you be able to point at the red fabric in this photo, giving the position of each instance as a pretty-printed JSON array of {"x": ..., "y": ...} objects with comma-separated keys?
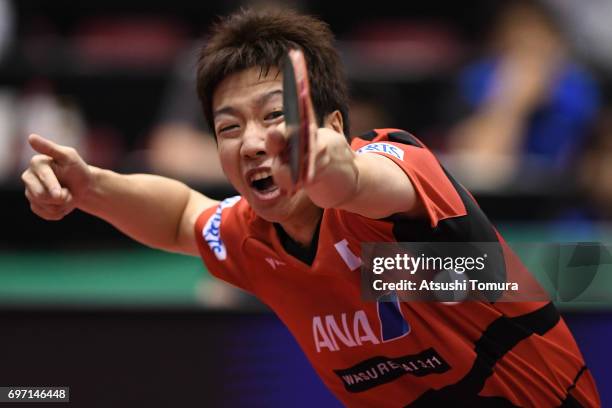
[{"x": 322, "y": 307}]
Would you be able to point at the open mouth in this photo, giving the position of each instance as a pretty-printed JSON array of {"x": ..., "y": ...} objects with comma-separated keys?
[
  {"x": 262, "y": 182},
  {"x": 264, "y": 185}
]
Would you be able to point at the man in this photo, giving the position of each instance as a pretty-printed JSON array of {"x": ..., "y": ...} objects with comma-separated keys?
[{"x": 300, "y": 253}]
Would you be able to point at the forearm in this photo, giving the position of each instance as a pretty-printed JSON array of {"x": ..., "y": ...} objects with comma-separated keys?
[
  {"x": 336, "y": 178},
  {"x": 382, "y": 189},
  {"x": 369, "y": 184},
  {"x": 145, "y": 207}
]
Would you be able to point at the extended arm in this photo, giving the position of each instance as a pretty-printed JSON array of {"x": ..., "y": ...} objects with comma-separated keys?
[{"x": 156, "y": 211}]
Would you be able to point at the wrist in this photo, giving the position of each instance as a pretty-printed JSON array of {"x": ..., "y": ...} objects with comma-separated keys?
[
  {"x": 353, "y": 185},
  {"x": 337, "y": 185},
  {"x": 92, "y": 192}
]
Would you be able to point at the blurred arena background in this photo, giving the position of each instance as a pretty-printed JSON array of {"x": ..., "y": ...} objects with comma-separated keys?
[{"x": 514, "y": 96}]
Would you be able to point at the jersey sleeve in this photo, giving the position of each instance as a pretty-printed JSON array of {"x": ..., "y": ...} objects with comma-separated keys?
[
  {"x": 219, "y": 232},
  {"x": 430, "y": 181}
]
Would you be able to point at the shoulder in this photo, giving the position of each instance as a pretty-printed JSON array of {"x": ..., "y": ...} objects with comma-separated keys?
[
  {"x": 220, "y": 233},
  {"x": 394, "y": 143},
  {"x": 433, "y": 185},
  {"x": 223, "y": 224},
  {"x": 386, "y": 135}
]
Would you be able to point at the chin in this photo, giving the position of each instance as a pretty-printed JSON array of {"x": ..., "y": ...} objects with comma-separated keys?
[
  {"x": 278, "y": 212},
  {"x": 270, "y": 217},
  {"x": 271, "y": 214}
]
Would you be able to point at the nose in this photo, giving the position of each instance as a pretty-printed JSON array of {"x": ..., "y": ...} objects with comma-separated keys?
[{"x": 253, "y": 141}]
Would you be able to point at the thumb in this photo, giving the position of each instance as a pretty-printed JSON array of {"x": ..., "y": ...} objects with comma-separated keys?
[{"x": 57, "y": 152}]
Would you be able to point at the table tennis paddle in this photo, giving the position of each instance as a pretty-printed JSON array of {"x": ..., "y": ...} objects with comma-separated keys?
[{"x": 299, "y": 117}]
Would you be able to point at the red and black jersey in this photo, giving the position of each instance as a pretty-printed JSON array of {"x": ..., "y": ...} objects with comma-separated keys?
[{"x": 394, "y": 354}]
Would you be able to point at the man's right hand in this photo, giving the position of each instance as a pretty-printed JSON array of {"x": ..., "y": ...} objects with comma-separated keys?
[{"x": 57, "y": 179}]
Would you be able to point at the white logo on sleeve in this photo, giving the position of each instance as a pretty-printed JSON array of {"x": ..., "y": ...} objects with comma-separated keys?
[
  {"x": 212, "y": 228},
  {"x": 381, "y": 147}
]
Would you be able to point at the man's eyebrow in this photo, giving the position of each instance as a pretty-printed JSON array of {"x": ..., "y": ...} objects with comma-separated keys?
[
  {"x": 262, "y": 99},
  {"x": 267, "y": 96},
  {"x": 226, "y": 110}
]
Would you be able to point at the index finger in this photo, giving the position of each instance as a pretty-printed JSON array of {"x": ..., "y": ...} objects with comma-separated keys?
[
  {"x": 57, "y": 152},
  {"x": 50, "y": 181}
]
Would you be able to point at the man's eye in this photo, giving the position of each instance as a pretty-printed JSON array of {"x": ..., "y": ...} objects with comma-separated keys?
[
  {"x": 274, "y": 115},
  {"x": 227, "y": 128}
]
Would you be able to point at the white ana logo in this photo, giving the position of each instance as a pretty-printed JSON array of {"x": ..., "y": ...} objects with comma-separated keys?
[
  {"x": 212, "y": 229},
  {"x": 274, "y": 262},
  {"x": 381, "y": 147},
  {"x": 349, "y": 331}
]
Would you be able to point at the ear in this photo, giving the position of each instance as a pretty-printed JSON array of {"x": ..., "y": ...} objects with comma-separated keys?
[{"x": 334, "y": 121}]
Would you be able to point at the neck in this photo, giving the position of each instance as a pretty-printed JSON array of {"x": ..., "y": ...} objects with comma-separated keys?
[{"x": 301, "y": 228}]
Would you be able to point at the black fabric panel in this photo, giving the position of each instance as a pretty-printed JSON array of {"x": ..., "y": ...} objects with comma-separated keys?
[
  {"x": 480, "y": 402},
  {"x": 405, "y": 138},
  {"x": 369, "y": 136},
  {"x": 570, "y": 401},
  {"x": 305, "y": 254},
  {"x": 499, "y": 338},
  {"x": 473, "y": 227}
]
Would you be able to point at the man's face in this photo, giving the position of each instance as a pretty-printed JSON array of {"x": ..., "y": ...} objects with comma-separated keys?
[{"x": 246, "y": 105}]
